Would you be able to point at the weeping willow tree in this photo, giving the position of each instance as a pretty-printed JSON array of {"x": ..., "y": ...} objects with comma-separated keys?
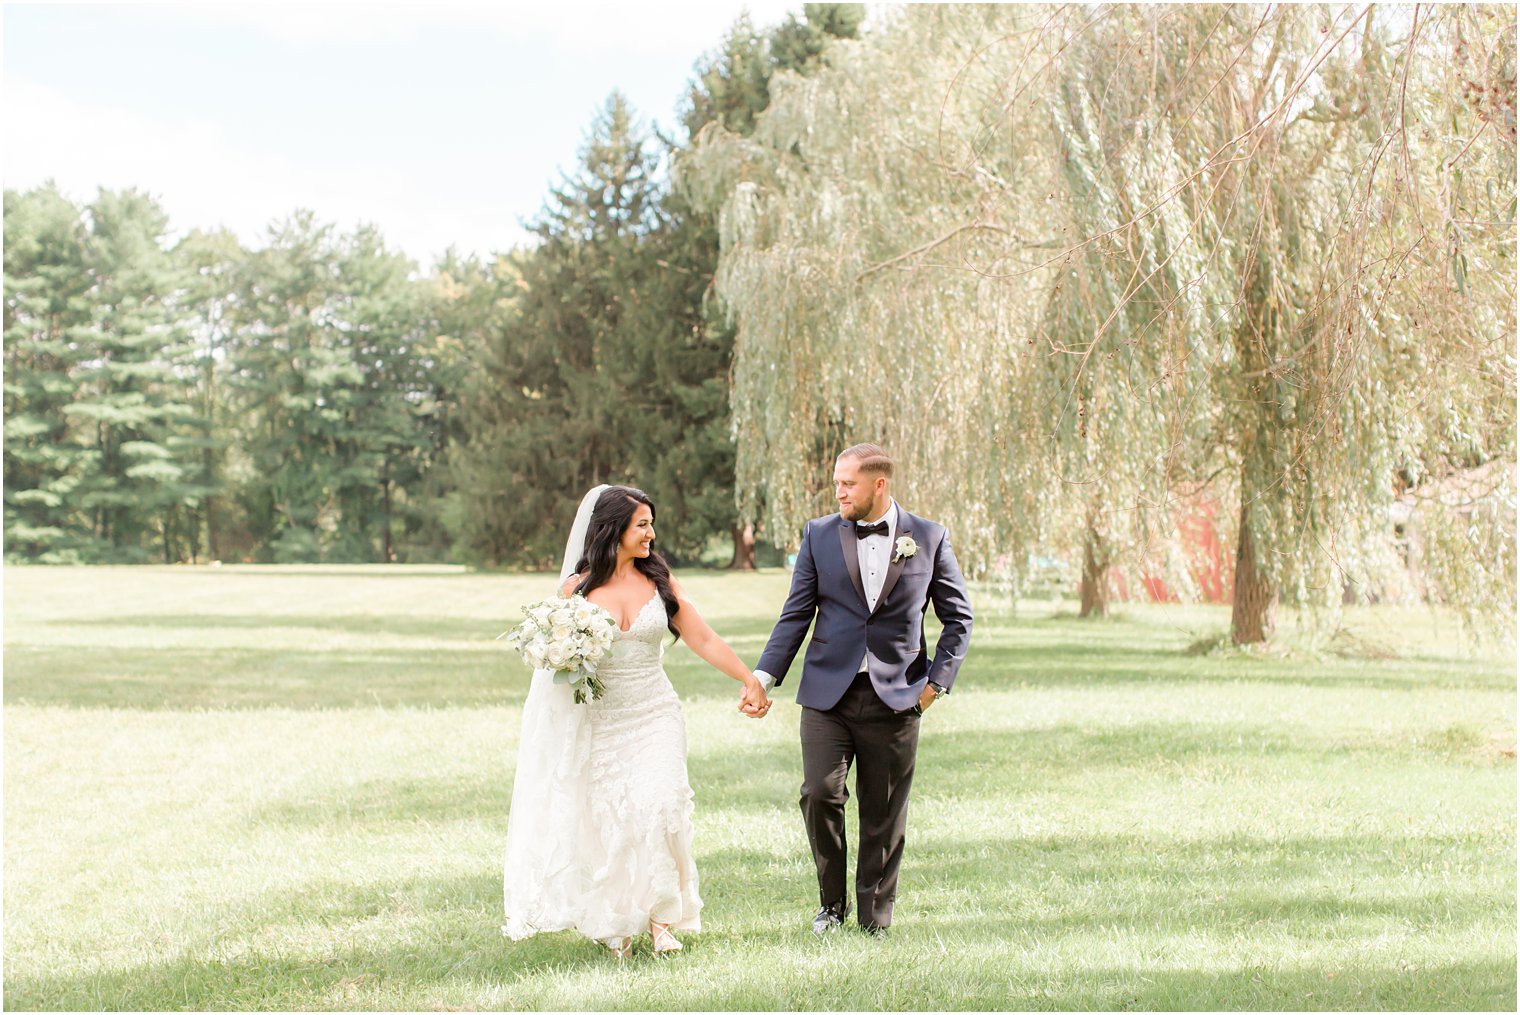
[
  {"x": 901, "y": 254},
  {"x": 1067, "y": 262},
  {"x": 847, "y": 220},
  {"x": 1313, "y": 208},
  {"x": 1128, "y": 314}
]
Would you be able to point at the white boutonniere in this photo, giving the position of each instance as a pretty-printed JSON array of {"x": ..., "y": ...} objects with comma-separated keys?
[{"x": 906, "y": 548}]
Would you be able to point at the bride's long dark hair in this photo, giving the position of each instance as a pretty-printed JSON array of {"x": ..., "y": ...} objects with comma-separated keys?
[{"x": 604, "y": 534}]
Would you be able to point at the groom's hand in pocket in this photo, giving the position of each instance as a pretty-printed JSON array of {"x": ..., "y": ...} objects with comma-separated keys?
[{"x": 926, "y": 698}]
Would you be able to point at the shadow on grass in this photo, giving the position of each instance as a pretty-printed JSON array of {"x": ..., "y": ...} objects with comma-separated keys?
[
  {"x": 407, "y": 625},
  {"x": 1087, "y": 663},
  {"x": 349, "y": 572},
  {"x": 1008, "y": 765},
  {"x": 418, "y": 624},
  {"x": 1004, "y": 656},
  {"x": 455, "y": 941},
  {"x": 1057, "y": 922},
  {"x": 239, "y": 678}
]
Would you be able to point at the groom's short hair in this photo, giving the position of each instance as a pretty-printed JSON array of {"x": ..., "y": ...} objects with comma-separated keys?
[{"x": 871, "y": 458}]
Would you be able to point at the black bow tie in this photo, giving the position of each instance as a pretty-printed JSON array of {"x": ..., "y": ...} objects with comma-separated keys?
[{"x": 879, "y": 529}]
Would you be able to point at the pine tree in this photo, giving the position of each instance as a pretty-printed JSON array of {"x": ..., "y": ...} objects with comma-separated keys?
[
  {"x": 46, "y": 301},
  {"x": 696, "y": 471},
  {"x": 102, "y": 463},
  {"x": 549, "y": 409},
  {"x": 211, "y": 263}
]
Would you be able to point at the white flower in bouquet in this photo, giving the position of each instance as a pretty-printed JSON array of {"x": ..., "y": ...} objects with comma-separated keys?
[{"x": 568, "y": 636}]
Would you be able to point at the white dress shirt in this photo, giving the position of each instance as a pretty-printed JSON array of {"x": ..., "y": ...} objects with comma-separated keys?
[{"x": 875, "y": 555}]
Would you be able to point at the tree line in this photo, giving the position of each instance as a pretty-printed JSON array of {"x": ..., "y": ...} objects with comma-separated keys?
[
  {"x": 1082, "y": 268},
  {"x": 318, "y": 398}
]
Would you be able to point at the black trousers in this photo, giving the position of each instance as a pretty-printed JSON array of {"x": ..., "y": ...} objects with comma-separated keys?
[{"x": 860, "y": 728}]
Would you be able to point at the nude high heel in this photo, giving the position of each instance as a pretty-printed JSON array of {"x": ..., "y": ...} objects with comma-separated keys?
[{"x": 664, "y": 941}]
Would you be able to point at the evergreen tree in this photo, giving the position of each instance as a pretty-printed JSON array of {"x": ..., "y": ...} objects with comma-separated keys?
[
  {"x": 609, "y": 346},
  {"x": 730, "y": 91},
  {"x": 549, "y": 408},
  {"x": 46, "y": 301},
  {"x": 211, "y": 263},
  {"x": 469, "y": 306},
  {"x": 381, "y": 442},
  {"x": 285, "y": 375},
  {"x": 334, "y": 397},
  {"x": 99, "y": 436},
  {"x": 131, "y": 395}
]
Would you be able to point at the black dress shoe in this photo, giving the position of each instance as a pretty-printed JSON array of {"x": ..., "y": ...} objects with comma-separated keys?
[
  {"x": 829, "y": 918},
  {"x": 880, "y": 933}
]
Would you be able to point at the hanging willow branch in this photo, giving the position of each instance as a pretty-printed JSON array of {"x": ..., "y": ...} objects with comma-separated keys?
[{"x": 1245, "y": 301}]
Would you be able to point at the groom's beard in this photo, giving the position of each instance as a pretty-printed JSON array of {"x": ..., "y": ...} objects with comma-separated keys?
[{"x": 860, "y": 512}]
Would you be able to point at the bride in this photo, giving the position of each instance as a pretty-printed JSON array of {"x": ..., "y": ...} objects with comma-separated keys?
[{"x": 599, "y": 837}]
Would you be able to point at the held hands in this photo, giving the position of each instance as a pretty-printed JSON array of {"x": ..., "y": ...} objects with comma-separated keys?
[{"x": 753, "y": 702}]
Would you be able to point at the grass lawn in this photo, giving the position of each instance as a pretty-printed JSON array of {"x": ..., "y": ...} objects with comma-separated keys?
[{"x": 287, "y": 788}]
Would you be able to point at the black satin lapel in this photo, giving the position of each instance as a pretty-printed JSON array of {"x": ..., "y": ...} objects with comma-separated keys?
[
  {"x": 847, "y": 546},
  {"x": 895, "y": 566}
]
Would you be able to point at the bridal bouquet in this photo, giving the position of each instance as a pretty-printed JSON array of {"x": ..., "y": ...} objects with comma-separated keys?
[{"x": 569, "y": 636}]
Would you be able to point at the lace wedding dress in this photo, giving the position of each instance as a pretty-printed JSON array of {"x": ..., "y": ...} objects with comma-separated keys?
[{"x": 600, "y": 833}]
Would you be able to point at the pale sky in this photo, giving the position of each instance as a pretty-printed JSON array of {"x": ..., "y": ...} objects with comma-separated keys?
[{"x": 441, "y": 124}]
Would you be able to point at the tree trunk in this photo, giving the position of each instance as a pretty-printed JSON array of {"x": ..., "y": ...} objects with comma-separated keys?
[
  {"x": 1255, "y": 614},
  {"x": 1097, "y": 555},
  {"x": 208, "y": 457},
  {"x": 101, "y": 516},
  {"x": 387, "y": 554},
  {"x": 744, "y": 548},
  {"x": 212, "y": 552},
  {"x": 194, "y": 538},
  {"x": 208, "y": 503},
  {"x": 1094, "y": 576}
]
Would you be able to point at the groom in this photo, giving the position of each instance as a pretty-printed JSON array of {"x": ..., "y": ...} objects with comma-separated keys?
[{"x": 864, "y": 579}]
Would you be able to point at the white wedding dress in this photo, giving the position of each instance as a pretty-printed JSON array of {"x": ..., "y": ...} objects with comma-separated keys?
[{"x": 600, "y": 834}]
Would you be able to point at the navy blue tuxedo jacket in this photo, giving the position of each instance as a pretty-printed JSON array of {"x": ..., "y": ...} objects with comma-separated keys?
[{"x": 827, "y": 592}]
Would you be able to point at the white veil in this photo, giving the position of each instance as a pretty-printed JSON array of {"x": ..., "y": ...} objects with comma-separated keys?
[{"x": 545, "y": 876}]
